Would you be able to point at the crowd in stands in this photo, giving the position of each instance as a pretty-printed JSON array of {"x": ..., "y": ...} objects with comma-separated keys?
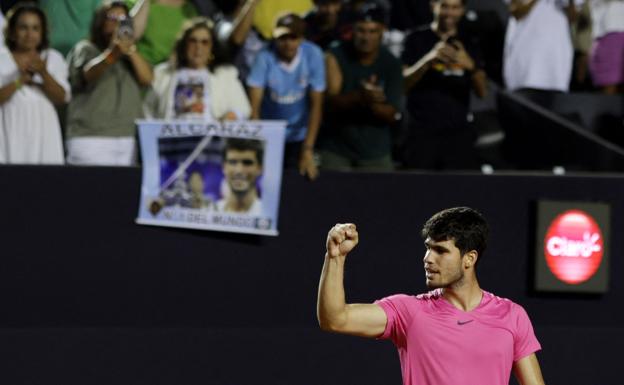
[{"x": 344, "y": 74}]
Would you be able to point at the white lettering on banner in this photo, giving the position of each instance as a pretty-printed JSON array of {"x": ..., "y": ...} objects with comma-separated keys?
[
  {"x": 237, "y": 129},
  {"x": 234, "y": 221},
  {"x": 564, "y": 247}
]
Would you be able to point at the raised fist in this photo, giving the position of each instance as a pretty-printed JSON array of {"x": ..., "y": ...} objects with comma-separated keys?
[{"x": 341, "y": 239}]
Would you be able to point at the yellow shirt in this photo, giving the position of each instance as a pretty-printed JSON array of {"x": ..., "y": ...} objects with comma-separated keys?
[{"x": 268, "y": 11}]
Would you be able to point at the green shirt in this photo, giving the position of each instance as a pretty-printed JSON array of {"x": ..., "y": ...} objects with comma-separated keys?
[
  {"x": 356, "y": 133},
  {"x": 70, "y": 21},
  {"x": 163, "y": 25},
  {"x": 107, "y": 106}
]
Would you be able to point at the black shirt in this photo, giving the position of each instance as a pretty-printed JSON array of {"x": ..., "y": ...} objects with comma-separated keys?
[{"x": 441, "y": 98}]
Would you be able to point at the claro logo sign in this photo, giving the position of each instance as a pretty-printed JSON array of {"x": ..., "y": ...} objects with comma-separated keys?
[{"x": 573, "y": 247}]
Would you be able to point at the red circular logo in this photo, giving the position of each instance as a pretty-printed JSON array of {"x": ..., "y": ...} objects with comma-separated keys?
[{"x": 573, "y": 247}]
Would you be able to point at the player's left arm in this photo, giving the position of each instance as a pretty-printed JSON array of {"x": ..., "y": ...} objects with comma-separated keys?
[{"x": 527, "y": 371}]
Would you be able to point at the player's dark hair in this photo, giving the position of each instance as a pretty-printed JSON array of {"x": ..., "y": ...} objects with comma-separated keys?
[
  {"x": 239, "y": 144},
  {"x": 466, "y": 226}
]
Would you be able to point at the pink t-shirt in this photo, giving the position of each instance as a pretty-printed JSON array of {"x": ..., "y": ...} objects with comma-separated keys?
[{"x": 441, "y": 345}]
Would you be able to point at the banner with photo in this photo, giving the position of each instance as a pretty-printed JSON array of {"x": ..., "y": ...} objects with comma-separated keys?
[{"x": 223, "y": 176}]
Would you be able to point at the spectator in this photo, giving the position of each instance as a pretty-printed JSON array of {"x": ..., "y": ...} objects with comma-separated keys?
[
  {"x": 106, "y": 74},
  {"x": 328, "y": 21},
  {"x": 157, "y": 23},
  {"x": 607, "y": 52},
  {"x": 32, "y": 80},
  {"x": 196, "y": 83},
  {"x": 251, "y": 27},
  {"x": 364, "y": 87},
  {"x": 234, "y": 31},
  {"x": 392, "y": 37},
  {"x": 442, "y": 66},
  {"x": 69, "y": 21},
  {"x": 287, "y": 82},
  {"x": 538, "y": 48}
]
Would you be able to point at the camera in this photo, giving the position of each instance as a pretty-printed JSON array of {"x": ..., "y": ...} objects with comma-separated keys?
[{"x": 125, "y": 30}]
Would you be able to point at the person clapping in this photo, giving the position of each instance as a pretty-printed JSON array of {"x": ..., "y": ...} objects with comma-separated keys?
[{"x": 32, "y": 82}]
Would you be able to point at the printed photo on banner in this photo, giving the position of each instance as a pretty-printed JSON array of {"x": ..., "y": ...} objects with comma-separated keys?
[{"x": 212, "y": 176}]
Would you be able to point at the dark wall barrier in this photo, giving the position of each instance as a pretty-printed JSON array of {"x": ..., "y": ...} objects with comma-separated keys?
[
  {"x": 537, "y": 138},
  {"x": 88, "y": 297}
]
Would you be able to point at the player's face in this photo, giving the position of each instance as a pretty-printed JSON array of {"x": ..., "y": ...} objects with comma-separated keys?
[
  {"x": 241, "y": 169},
  {"x": 448, "y": 13},
  {"x": 28, "y": 31},
  {"x": 443, "y": 264},
  {"x": 367, "y": 36},
  {"x": 287, "y": 46},
  {"x": 199, "y": 48}
]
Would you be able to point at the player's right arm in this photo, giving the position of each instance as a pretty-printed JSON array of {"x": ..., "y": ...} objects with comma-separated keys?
[{"x": 334, "y": 314}]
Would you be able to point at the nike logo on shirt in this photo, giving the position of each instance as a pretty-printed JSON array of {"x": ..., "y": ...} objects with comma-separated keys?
[{"x": 464, "y": 322}]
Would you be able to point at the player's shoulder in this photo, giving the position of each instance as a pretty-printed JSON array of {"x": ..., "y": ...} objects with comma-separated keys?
[
  {"x": 500, "y": 304},
  {"x": 416, "y": 299}
]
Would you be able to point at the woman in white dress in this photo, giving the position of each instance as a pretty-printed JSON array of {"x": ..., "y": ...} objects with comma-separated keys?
[
  {"x": 33, "y": 78},
  {"x": 196, "y": 84}
]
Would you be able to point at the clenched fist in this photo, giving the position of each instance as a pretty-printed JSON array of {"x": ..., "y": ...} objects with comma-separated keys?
[{"x": 341, "y": 239}]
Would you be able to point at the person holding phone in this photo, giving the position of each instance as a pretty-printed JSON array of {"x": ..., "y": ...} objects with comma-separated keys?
[
  {"x": 32, "y": 81},
  {"x": 441, "y": 67},
  {"x": 106, "y": 74}
]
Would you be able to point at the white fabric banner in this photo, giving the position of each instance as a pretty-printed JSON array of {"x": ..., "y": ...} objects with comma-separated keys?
[{"x": 223, "y": 176}]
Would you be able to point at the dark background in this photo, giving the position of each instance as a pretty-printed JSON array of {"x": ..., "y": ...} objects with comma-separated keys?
[{"x": 88, "y": 297}]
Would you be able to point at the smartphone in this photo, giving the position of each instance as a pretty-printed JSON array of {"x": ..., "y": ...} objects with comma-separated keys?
[{"x": 125, "y": 29}]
